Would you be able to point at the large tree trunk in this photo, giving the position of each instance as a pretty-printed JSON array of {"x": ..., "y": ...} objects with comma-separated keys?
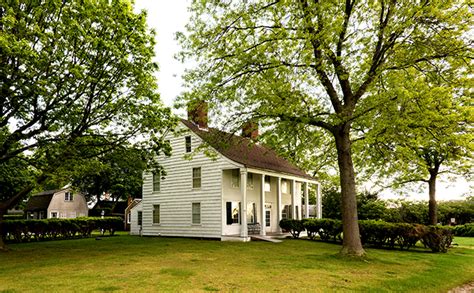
[
  {"x": 432, "y": 206},
  {"x": 351, "y": 244}
]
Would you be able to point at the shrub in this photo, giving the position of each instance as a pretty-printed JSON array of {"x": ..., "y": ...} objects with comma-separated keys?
[
  {"x": 27, "y": 230},
  {"x": 383, "y": 234},
  {"x": 327, "y": 229},
  {"x": 466, "y": 230},
  {"x": 438, "y": 239},
  {"x": 293, "y": 226}
]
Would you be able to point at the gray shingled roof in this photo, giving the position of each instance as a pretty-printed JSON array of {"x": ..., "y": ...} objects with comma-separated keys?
[
  {"x": 39, "y": 201},
  {"x": 244, "y": 151}
]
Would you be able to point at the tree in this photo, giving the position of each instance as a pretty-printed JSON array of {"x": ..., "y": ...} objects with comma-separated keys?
[
  {"x": 315, "y": 63},
  {"x": 431, "y": 133},
  {"x": 76, "y": 82},
  {"x": 118, "y": 173}
]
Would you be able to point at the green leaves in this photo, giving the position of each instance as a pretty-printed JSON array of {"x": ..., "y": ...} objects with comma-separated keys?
[{"x": 77, "y": 81}]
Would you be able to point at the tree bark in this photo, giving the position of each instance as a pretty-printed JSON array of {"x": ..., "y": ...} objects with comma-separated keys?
[
  {"x": 432, "y": 206},
  {"x": 351, "y": 245}
]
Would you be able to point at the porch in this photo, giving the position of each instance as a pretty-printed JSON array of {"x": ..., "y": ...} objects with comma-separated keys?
[{"x": 255, "y": 201}]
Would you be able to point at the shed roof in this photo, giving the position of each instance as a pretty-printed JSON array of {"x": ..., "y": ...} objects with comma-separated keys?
[
  {"x": 245, "y": 151},
  {"x": 39, "y": 201}
]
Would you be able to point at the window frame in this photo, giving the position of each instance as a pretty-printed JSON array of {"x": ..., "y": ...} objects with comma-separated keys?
[
  {"x": 139, "y": 218},
  {"x": 250, "y": 181},
  {"x": 188, "y": 144},
  {"x": 268, "y": 183},
  {"x": 230, "y": 219},
  {"x": 156, "y": 181},
  {"x": 194, "y": 179},
  {"x": 198, "y": 204},
  {"x": 235, "y": 178},
  {"x": 156, "y": 207},
  {"x": 252, "y": 212},
  {"x": 68, "y": 196}
]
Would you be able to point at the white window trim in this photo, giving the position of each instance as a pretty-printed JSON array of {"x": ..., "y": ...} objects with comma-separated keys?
[
  {"x": 192, "y": 178},
  {"x": 232, "y": 177},
  {"x": 200, "y": 214},
  {"x": 158, "y": 173},
  {"x": 153, "y": 215}
]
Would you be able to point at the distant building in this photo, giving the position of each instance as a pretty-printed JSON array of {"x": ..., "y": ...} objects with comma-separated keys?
[{"x": 61, "y": 203}]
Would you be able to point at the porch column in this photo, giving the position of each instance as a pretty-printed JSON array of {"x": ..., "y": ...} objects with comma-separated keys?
[
  {"x": 300, "y": 204},
  {"x": 293, "y": 199},
  {"x": 278, "y": 190},
  {"x": 262, "y": 206},
  {"x": 319, "y": 207},
  {"x": 306, "y": 199},
  {"x": 243, "y": 212}
]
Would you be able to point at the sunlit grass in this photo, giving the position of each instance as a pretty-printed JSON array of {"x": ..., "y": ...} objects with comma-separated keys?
[{"x": 134, "y": 264}]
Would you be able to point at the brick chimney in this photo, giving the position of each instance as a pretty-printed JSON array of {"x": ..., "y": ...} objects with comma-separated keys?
[
  {"x": 250, "y": 130},
  {"x": 197, "y": 113}
]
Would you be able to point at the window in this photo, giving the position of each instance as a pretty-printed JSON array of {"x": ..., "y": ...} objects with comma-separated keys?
[
  {"x": 54, "y": 214},
  {"x": 139, "y": 218},
  {"x": 286, "y": 212},
  {"x": 68, "y": 196},
  {"x": 197, "y": 177},
  {"x": 196, "y": 211},
  {"x": 235, "y": 178},
  {"x": 156, "y": 181},
  {"x": 129, "y": 218},
  {"x": 267, "y": 218},
  {"x": 233, "y": 212},
  {"x": 187, "y": 140},
  {"x": 267, "y": 183},
  {"x": 284, "y": 186},
  {"x": 251, "y": 213},
  {"x": 156, "y": 214},
  {"x": 250, "y": 180}
]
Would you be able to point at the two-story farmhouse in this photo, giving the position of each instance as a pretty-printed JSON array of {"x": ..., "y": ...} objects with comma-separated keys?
[{"x": 240, "y": 187}]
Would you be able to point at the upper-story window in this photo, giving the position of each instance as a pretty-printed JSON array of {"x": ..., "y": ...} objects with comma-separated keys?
[
  {"x": 235, "y": 178},
  {"x": 68, "y": 196},
  {"x": 267, "y": 183},
  {"x": 197, "y": 177},
  {"x": 187, "y": 140},
  {"x": 156, "y": 181},
  {"x": 284, "y": 186},
  {"x": 250, "y": 181}
]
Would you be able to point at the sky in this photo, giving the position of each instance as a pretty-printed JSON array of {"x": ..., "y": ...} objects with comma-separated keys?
[{"x": 168, "y": 17}]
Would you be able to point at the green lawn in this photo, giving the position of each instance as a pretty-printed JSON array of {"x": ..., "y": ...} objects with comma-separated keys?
[{"x": 134, "y": 264}]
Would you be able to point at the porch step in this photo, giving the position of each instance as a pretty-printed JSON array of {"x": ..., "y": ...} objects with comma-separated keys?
[{"x": 264, "y": 238}]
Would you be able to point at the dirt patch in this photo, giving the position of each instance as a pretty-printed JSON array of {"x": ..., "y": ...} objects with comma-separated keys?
[{"x": 466, "y": 288}]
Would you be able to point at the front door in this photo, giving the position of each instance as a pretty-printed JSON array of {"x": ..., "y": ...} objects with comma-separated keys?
[{"x": 268, "y": 217}]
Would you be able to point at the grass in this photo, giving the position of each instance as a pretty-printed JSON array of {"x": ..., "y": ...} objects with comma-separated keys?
[{"x": 127, "y": 263}]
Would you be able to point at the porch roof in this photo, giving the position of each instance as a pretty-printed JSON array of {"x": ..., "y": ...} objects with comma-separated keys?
[{"x": 245, "y": 151}]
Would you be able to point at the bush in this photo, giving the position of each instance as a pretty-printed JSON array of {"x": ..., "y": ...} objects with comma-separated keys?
[
  {"x": 466, "y": 230},
  {"x": 327, "y": 229},
  {"x": 27, "y": 230},
  {"x": 381, "y": 234},
  {"x": 293, "y": 226},
  {"x": 438, "y": 239}
]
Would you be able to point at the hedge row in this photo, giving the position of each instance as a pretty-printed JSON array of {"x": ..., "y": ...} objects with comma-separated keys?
[
  {"x": 376, "y": 233},
  {"x": 466, "y": 230},
  {"x": 28, "y": 230}
]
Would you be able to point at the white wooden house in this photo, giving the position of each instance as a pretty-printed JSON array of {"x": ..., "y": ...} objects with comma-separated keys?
[{"x": 243, "y": 187}]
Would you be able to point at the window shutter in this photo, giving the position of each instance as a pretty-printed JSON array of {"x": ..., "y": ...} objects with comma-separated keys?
[{"x": 229, "y": 213}]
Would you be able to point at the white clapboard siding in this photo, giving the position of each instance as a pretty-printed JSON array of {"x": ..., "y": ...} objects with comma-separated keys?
[
  {"x": 176, "y": 194},
  {"x": 134, "y": 227}
]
